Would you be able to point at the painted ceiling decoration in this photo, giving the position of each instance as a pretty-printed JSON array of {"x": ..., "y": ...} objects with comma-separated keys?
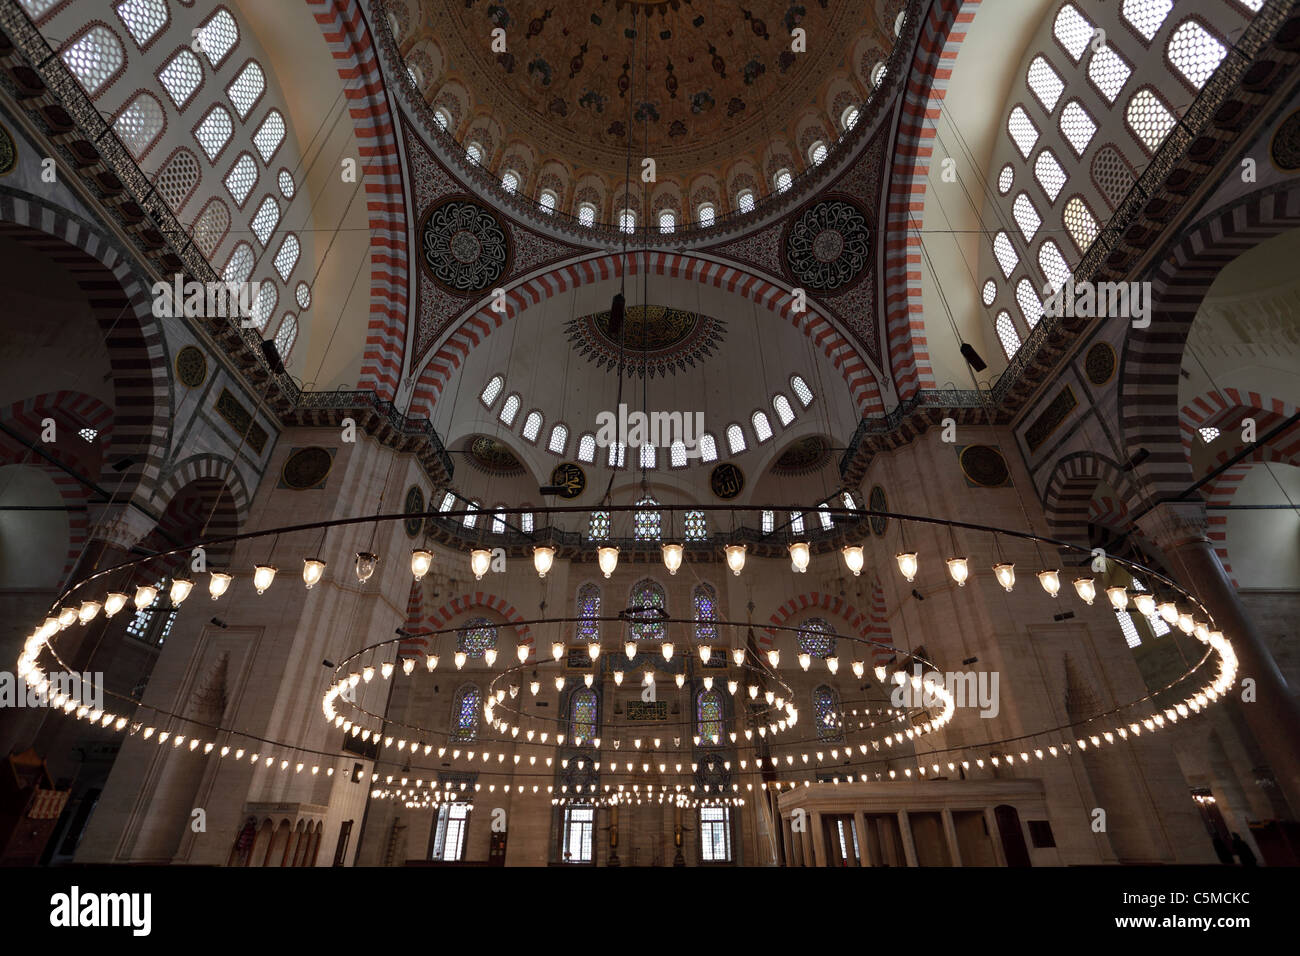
[
  {"x": 804, "y": 457},
  {"x": 657, "y": 340},
  {"x": 464, "y": 247},
  {"x": 493, "y": 457},
  {"x": 828, "y": 245}
]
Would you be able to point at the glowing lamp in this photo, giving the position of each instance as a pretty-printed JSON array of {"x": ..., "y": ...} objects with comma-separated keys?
[
  {"x": 521, "y": 652},
  {"x": 480, "y": 559},
  {"x": 180, "y": 589},
  {"x": 667, "y": 649},
  {"x": 735, "y": 557},
  {"x": 459, "y": 659},
  {"x": 593, "y": 650},
  {"x": 263, "y": 575},
  {"x": 1006, "y": 575},
  {"x": 774, "y": 657},
  {"x": 557, "y": 650},
  {"x": 738, "y": 655},
  {"x": 1185, "y": 623},
  {"x": 705, "y": 653},
  {"x": 490, "y": 656},
  {"x": 313, "y": 569},
  {"x": 1145, "y": 604},
  {"x": 907, "y": 563},
  {"x": 117, "y": 600},
  {"x": 86, "y": 613},
  {"x": 804, "y": 660},
  {"x": 672, "y": 557},
  {"x": 1086, "y": 588},
  {"x": 799, "y": 556},
  {"x": 629, "y": 648},
  {"x": 1118, "y": 597},
  {"x": 853, "y": 558},
  {"x": 366, "y": 564},
  {"x": 607, "y": 558},
  {"x": 1169, "y": 611},
  {"x": 959, "y": 568},
  {"x": 543, "y": 559},
  {"x": 421, "y": 562},
  {"x": 1051, "y": 582}
]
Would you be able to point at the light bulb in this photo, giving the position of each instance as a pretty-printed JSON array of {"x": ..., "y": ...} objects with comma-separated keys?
[
  {"x": 521, "y": 652},
  {"x": 705, "y": 653},
  {"x": 480, "y": 559},
  {"x": 1145, "y": 603},
  {"x": 145, "y": 595},
  {"x": 117, "y": 600},
  {"x": 672, "y": 557},
  {"x": 732, "y": 686},
  {"x": 799, "y": 556},
  {"x": 618, "y": 678},
  {"x": 1086, "y": 589},
  {"x": 607, "y": 558},
  {"x": 959, "y": 568},
  {"x": 629, "y": 648},
  {"x": 774, "y": 657},
  {"x": 805, "y": 659},
  {"x": 490, "y": 655},
  {"x": 1169, "y": 611},
  {"x": 587, "y": 679},
  {"x": 735, "y": 557},
  {"x": 460, "y": 659},
  {"x": 907, "y": 563},
  {"x": 593, "y": 650},
  {"x": 1118, "y": 597},
  {"x": 738, "y": 655},
  {"x": 431, "y": 662},
  {"x": 708, "y": 683},
  {"x": 559, "y": 683},
  {"x": 1185, "y": 623},
  {"x": 680, "y": 679},
  {"x": 263, "y": 575},
  {"x": 833, "y": 664},
  {"x": 543, "y": 559},
  {"x": 386, "y": 669},
  {"x": 408, "y": 666},
  {"x": 557, "y": 650},
  {"x": 1006, "y": 575},
  {"x": 880, "y": 672},
  {"x": 366, "y": 564},
  {"x": 859, "y": 669},
  {"x": 534, "y": 687},
  {"x": 313, "y": 569},
  {"x": 421, "y": 562},
  {"x": 1202, "y": 631},
  {"x": 180, "y": 589},
  {"x": 86, "y": 613},
  {"x": 667, "y": 649},
  {"x": 1051, "y": 582}
]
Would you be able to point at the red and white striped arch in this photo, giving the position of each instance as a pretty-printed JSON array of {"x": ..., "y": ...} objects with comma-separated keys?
[
  {"x": 872, "y": 625},
  {"x": 421, "y": 623},
  {"x": 859, "y": 376}
]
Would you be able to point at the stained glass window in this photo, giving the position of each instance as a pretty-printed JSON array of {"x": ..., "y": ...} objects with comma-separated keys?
[
  {"x": 1053, "y": 264},
  {"x": 649, "y": 457},
  {"x": 582, "y": 714},
  {"x": 1077, "y": 126},
  {"x": 826, "y": 713},
  {"x": 1007, "y": 333},
  {"x": 1026, "y": 215},
  {"x": 648, "y": 594},
  {"x": 266, "y": 219},
  {"x": 286, "y": 335},
  {"x": 617, "y": 455},
  {"x": 647, "y": 522},
  {"x": 598, "y": 527},
  {"x": 499, "y": 521},
  {"x": 715, "y": 834},
  {"x": 177, "y": 179},
  {"x": 1049, "y": 174},
  {"x": 708, "y": 706},
  {"x": 240, "y": 264},
  {"x": 745, "y": 200},
  {"x": 586, "y": 214},
  {"x": 796, "y": 522},
  {"x": 706, "y": 632},
  {"x": 989, "y": 292},
  {"x": 696, "y": 527},
  {"x": 677, "y": 454},
  {"x": 1030, "y": 306},
  {"x": 815, "y": 638},
  {"x": 476, "y": 636},
  {"x": 465, "y": 713},
  {"x": 240, "y": 179},
  {"x": 1149, "y": 118},
  {"x": 1080, "y": 223},
  {"x": 589, "y": 609},
  {"x": 1108, "y": 72},
  {"x": 532, "y": 426}
]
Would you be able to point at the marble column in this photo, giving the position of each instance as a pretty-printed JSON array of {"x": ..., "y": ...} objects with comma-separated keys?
[
  {"x": 950, "y": 833},
  {"x": 818, "y": 832},
  {"x": 864, "y": 844},
  {"x": 909, "y": 845},
  {"x": 1179, "y": 529},
  {"x": 806, "y": 852}
]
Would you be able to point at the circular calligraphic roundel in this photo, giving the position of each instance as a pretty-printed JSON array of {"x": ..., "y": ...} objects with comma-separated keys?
[
  {"x": 570, "y": 479},
  {"x": 463, "y": 247},
  {"x": 726, "y": 481},
  {"x": 307, "y": 468},
  {"x": 828, "y": 246},
  {"x": 413, "y": 506}
]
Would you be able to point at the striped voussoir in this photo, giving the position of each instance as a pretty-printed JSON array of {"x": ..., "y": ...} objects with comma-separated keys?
[
  {"x": 473, "y": 330},
  {"x": 348, "y": 35},
  {"x": 201, "y": 467},
  {"x": 1067, "y": 500},
  {"x": 870, "y": 626},
  {"x": 121, "y": 305},
  {"x": 420, "y": 624},
  {"x": 941, "y": 34},
  {"x": 1149, "y": 406},
  {"x": 1227, "y": 408}
]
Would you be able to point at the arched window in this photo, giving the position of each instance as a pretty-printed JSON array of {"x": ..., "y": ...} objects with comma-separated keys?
[
  {"x": 816, "y": 638},
  {"x": 1146, "y": 16},
  {"x": 745, "y": 200},
  {"x": 499, "y": 520},
  {"x": 708, "y": 448},
  {"x": 1080, "y": 223},
  {"x": 217, "y": 37},
  {"x": 647, "y": 522},
  {"x": 441, "y": 117},
  {"x": 849, "y": 118},
  {"x": 416, "y": 75},
  {"x": 213, "y": 131},
  {"x": 667, "y": 221},
  {"x": 1022, "y": 131},
  {"x": 582, "y": 714},
  {"x": 264, "y": 304},
  {"x": 510, "y": 181},
  {"x": 471, "y": 516},
  {"x": 826, "y": 714},
  {"x": 559, "y": 439},
  {"x": 706, "y": 613},
  {"x": 824, "y": 516},
  {"x": 526, "y": 522},
  {"x": 547, "y": 201},
  {"x": 1108, "y": 72},
  {"x": 1049, "y": 174},
  {"x": 706, "y": 214},
  {"x": 1112, "y": 175},
  {"x": 1006, "y": 178},
  {"x": 617, "y": 457},
  {"x": 1005, "y": 253},
  {"x": 627, "y": 220},
  {"x": 465, "y": 710},
  {"x": 735, "y": 439},
  {"x": 285, "y": 181},
  {"x": 1045, "y": 83},
  {"x": 878, "y": 74},
  {"x": 783, "y": 180},
  {"x": 491, "y": 391},
  {"x": 796, "y": 522},
  {"x": 696, "y": 526},
  {"x": 240, "y": 264},
  {"x": 241, "y": 178},
  {"x": 762, "y": 427},
  {"x": 1055, "y": 269},
  {"x": 989, "y": 292},
  {"x": 532, "y": 426},
  {"x": 587, "y": 448},
  {"x": 769, "y": 522},
  {"x": 1026, "y": 216},
  {"x": 211, "y": 226},
  {"x": 509, "y": 410},
  {"x": 177, "y": 178},
  {"x": 95, "y": 58},
  {"x": 648, "y": 594},
  {"x": 847, "y": 498},
  {"x": 677, "y": 454},
  {"x": 1030, "y": 305},
  {"x": 586, "y": 214},
  {"x": 1149, "y": 118},
  {"x": 1077, "y": 126},
  {"x": 287, "y": 257},
  {"x": 781, "y": 405},
  {"x": 475, "y": 637},
  {"x": 38, "y": 8},
  {"x": 140, "y": 124},
  {"x": 302, "y": 294},
  {"x": 1007, "y": 333},
  {"x": 598, "y": 526},
  {"x": 588, "y": 611},
  {"x": 269, "y": 135},
  {"x": 1195, "y": 52},
  {"x": 142, "y": 19},
  {"x": 1073, "y": 31},
  {"x": 180, "y": 77},
  {"x": 708, "y": 709},
  {"x": 246, "y": 89},
  {"x": 267, "y": 218},
  {"x": 286, "y": 335},
  {"x": 817, "y": 152},
  {"x": 801, "y": 390},
  {"x": 649, "y": 456}
]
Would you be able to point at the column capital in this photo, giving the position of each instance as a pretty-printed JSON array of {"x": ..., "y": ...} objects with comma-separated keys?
[
  {"x": 119, "y": 525},
  {"x": 1171, "y": 524}
]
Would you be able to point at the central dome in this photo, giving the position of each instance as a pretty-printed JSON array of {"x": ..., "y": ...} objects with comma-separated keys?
[{"x": 727, "y": 99}]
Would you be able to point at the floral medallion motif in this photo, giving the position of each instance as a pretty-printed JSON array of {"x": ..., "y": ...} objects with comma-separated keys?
[
  {"x": 658, "y": 340},
  {"x": 464, "y": 248},
  {"x": 828, "y": 246}
]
